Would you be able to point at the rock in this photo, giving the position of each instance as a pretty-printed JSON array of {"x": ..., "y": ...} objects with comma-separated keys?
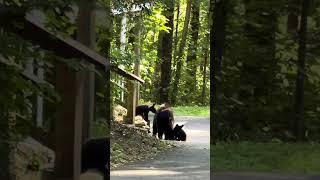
[
  {"x": 119, "y": 113},
  {"x": 30, "y": 154}
]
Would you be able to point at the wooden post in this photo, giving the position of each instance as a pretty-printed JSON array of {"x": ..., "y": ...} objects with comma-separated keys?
[
  {"x": 86, "y": 35},
  {"x": 39, "y": 118},
  {"x": 4, "y": 159},
  {"x": 138, "y": 54},
  {"x": 131, "y": 103},
  {"x": 68, "y": 125},
  {"x": 123, "y": 36},
  {"x": 6, "y": 148}
]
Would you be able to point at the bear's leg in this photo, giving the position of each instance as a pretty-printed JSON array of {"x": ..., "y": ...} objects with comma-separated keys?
[
  {"x": 160, "y": 133},
  {"x": 168, "y": 134}
]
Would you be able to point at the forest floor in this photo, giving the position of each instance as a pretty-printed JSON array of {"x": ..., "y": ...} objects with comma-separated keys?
[{"x": 189, "y": 160}]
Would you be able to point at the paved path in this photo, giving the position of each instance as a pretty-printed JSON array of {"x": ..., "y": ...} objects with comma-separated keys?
[{"x": 188, "y": 162}]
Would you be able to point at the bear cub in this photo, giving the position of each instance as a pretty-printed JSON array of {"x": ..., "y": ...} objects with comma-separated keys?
[
  {"x": 143, "y": 110},
  {"x": 179, "y": 133}
]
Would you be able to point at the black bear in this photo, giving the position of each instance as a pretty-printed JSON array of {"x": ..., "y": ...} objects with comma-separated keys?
[
  {"x": 96, "y": 155},
  {"x": 179, "y": 133},
  {"x": 163, "y": 123},
  {"x": 143, "y": 110}
]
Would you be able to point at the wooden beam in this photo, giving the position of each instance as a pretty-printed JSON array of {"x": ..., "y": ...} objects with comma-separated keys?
[
  {"x": 126, "y": 74},
  {"x": 62, "y": 46},
  {"x": 37, "y": 33}
]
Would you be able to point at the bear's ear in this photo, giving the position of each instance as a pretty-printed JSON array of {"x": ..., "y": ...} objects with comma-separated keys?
[
  {"x": 181, "y": 126},
  {"x": 153, "y": 105}
]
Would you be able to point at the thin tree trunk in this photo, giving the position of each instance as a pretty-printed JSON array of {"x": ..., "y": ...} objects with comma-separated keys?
[
  {"x": 299, "y": 128},
  {"x": 165, "y": 53},
  {"x": 192, "y": 51},
  {"x": 180, "y": 53},
  {"x": 217, "y": 38},
  {"x": 204, "y": 79},
  {"x": 156, "y": 74},
  {"x": 176, "y": 38}
]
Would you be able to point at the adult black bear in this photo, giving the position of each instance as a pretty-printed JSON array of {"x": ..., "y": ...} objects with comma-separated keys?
[
  {"x": 96, "y": 155},
  {"x": 179, "y": 133},
  {"x": 143, "y": 110},
  {"x": 163, "y": 123}
]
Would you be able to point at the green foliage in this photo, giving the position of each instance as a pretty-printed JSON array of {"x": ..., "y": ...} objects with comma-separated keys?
[
  {"x": 256, "y": 89},
  {"x": 18, "y": 92}
]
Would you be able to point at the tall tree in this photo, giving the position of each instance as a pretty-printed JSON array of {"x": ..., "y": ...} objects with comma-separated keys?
[
  {"x": 217, "y": 38},
  {"x": 165, "y": 52},
  {"x": 176, "y": 37},
  {"x": 260, "y": 61},
  {"x": 180, "y": 53},
  {"x": 192, "y": 49},
  {"x": 299, "y": 127},
  {"x": 204, "y": 78}
]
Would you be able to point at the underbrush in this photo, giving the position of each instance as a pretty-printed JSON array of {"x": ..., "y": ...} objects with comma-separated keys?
[{"x": 132, "y": 144}]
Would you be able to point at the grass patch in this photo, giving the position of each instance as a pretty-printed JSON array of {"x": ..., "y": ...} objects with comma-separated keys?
[
  {"x": 203, "y": 111},
  {"x": 266, "y": 157}
]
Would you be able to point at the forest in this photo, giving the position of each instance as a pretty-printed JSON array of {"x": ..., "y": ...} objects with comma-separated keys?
[
  {"x": 168, "y": 44},
  {"x": 265, "y": 63},
  {"x": 256, "y": 63}
]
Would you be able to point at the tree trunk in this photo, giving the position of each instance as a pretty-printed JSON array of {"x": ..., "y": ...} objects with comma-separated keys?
[
  {"x": 180, "y": 54},
  {"x": 204, "y": 79},
  {"x": 176, "y": 38},
  {"x": 192, "y": 52},
  {"x": 165, "y": 53},
  {"x": 261, "y": 61},
  {"x": 217, "y": 38},
  {"x": 299, "y": 127},
  {"x": 156, "y": 74},
  {"x": 293, "y": 16}
]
